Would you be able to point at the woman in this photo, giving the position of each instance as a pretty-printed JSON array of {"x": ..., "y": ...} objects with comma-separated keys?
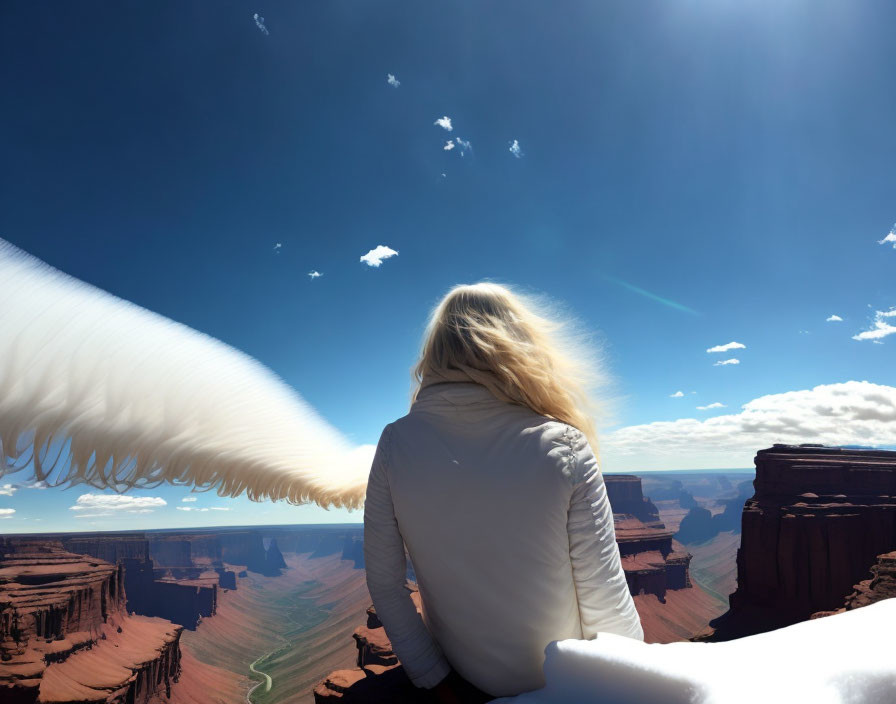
[{"x": 491, "y": 484}]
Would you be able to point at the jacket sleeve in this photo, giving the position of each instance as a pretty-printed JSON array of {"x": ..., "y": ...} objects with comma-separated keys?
[
  {"x": 605, "y": 603},
  {"x": 386, "y": 565}
]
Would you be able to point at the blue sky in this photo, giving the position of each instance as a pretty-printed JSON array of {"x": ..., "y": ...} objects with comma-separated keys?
[{"x": 689, "y": 174}]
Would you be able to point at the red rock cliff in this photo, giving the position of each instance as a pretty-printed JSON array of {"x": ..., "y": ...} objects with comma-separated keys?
[
  {"x": 818, "y": 520},
  {"x": 65, "y": 635}
]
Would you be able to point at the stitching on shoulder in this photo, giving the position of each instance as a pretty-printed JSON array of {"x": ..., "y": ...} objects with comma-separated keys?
[{"x": 571, "y": 461}]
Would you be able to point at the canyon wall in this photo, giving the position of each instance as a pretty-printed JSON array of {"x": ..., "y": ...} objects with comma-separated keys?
[
  {"x": 819, "y": 519},
  {"x": 66, "y": 636}
]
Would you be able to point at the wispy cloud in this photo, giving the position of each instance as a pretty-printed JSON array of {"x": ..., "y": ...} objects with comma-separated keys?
[
  {"x": 449, "y": 145},
  {"x": 833, "y": 319},
  {"x": 890, "y": 238},
  {"x": 392, "y": 81},
  {"x": 118, "y": 503},
  {"x": 34, "y": 485},
  {"x": 880, "y": 327},
  {"x": 314, "y": 274},
  {"x": 7, "y": 512},
  {"x": 727, "y": 348},
  {"x": 259, "y": 22},
  {"x": 376, "y": 255},
  {"x": 464, "y": 145},
  {"x": 189, "y": 499},
  {"x": 277, "y": 248},
  {"x": 444, "y": 123},
  {"x": 677, "y": 394},
  {"x": 8, "y": 490},
  {"x": 652, "y": 296},
  {"x": 515, "y": 149},
  {"x": 726, "y": 362},
  {"x": 711, "y": 406}
]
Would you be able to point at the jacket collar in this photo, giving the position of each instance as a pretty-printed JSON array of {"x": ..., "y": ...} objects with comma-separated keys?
[{"x": 455, "y": 393}]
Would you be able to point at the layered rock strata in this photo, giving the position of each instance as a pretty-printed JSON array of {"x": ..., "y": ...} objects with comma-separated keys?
[
  {"x": 819, "y": 518},
  {"x": 65, "y": 635}
]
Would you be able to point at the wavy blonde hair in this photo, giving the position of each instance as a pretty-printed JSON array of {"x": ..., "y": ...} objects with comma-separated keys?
[{"x": 518, "y": 346}]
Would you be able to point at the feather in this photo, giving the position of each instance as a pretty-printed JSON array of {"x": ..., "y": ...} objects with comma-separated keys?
[{"x": 96, "y": 390}]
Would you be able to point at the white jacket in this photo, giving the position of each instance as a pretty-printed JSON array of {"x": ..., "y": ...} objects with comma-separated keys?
[{"x": 506, "y": 520}]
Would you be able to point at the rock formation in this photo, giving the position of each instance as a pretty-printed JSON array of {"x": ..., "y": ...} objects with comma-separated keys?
[
  {"x": 819, "y": 519},
  {"x": 65, "y": 635},
  {"x": 882, "y": 585},
  {"x": 653, "y": 562},
  {"x": 700, "y": 524}
]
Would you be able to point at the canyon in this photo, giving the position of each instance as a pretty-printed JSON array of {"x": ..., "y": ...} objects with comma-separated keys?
[{"x": 102, "y": 617}]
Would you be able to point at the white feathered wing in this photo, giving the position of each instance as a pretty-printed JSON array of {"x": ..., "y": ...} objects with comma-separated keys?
[{"x": 96, "y": 390}]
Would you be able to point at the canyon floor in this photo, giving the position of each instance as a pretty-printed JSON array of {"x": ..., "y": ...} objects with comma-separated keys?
[{"x": 292, "y": 628}]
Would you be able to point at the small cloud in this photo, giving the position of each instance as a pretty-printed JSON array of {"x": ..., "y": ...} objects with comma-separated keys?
[
  {"x": 804, "y": 332},
  {"x": 201, "y": 510},
  {"x": 314, "y": 274},
  {"x": 515, "y": 149},
  {"x": 711, "y": 406},
  {"x": 728, "y": 347},
  {"x": 464, "y": 145},
  {"x": 449, "y": 145},
  {"x": 277, "y": 248},
  {"x": 833, "y": 319},
  {"x": 444, "y": 175},
  {"x": 118, "y": 502},
  {"x": 376, "y": 255},
  {"x": 890, "y": 238},
  {"x": 8, "y": 490},
  {"x": 93, "y": 515},
  {"x": 34, "y": 485},
  {"x": 880, "y": 328},
  {"x": 444, "y": 123},
  {"x": 677, "y": 394},
  {"x": 259, "y": 22},
  {"x": 726, "y": 362},
  {"x": 392, "y": 80},
  {"x": 189, "y": 499},
  {"x": 7, "y": 512}
]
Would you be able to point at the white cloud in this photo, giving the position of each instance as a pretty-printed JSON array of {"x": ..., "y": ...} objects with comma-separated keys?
[
  {"x": 392, "y": 80},
  {"x": 189, "y": 499},
  {"x": 93, "y": 515},
  {"x": 890, "y": 238},
  {"x": 314, "y": 274},
  {"x": 834, "y": 319},
  {"x": 277, "y": 248},
  {"x": 7, "y": 512},
  {"x": 849, "y": 413},
  {"x": 449, "y": 145},
  {"x": 34, "y": 485},
  {"x": 123, "y": 503},
  {"x": 677, "y": 394},
  {"x": 728, "y": 347},
  {"x": 259, "y": 22},
  {"x": 726, "y": 362},
  {"x": 203, "y": 509},
  {"x": 711, "y": 406},
  {"x": 880, "y": 328},
  {"x": 376, "y": 255},
  {"x": 8, "y": 490},
  {"x": 444, "y": 123},
  {"x": 464, "y": 145},
  {"x": 515, "y": 149}
]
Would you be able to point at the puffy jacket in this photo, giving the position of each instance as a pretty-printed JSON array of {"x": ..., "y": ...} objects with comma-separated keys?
[{"x": 505, "y": 517}]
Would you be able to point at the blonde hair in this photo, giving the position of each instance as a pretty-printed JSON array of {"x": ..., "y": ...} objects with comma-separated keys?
[{"x": 519, "y": 345}]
